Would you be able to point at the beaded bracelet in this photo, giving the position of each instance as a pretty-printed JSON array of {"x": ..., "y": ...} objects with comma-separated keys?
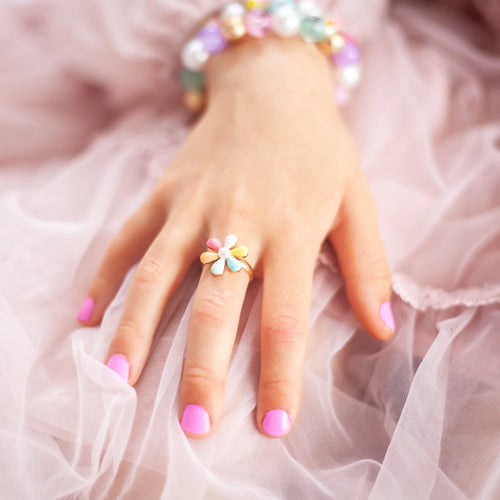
[{"x": 257, "y": 19}]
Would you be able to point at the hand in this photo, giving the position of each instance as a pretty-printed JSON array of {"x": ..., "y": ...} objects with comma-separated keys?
[{"x": 272, "y": 162}]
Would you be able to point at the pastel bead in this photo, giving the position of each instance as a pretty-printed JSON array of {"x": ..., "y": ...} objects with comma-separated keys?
[
  {"x": 349, "y": 76},
  {"x": 285, "y": 21},
  {"x": 255, "y": 4},
  {"x": 258, "y": 23},
  {"x": 274, "y": 5},
  {"x": 212, "y": 38},
  {"x": 348, "y": 55},
  {"x": 312, "y": 29},
  {"x": 332, "y": 25},
  {"x": 308, "y": 8},
  {"x": 342, "y": 95},
  {"x": 194, "y": 56},
  {"x": 233, "y": 27},
  {"x": 233, "y": 9},
  {"x": 192, "y": 80},
  {"x": 194, "y": 100},
  {"x": 332, "y": 44}
]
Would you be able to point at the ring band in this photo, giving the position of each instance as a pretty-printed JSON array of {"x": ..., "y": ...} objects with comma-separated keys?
[{"x": 228, "y": 254}]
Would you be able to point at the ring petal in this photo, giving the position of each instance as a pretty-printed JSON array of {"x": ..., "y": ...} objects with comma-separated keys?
[
  {"x": 233, "y": 264},
  {"x": 218, "y": 267},
  {"x": 214, "y": 244},
  {"x": 241, "y": 251},
  {"x": 230, "y": 241},
  {"x": 207, "y": 257}
]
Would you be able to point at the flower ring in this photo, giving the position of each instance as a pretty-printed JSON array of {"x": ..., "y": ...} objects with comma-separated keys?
[{"x": 228, "y": 254}]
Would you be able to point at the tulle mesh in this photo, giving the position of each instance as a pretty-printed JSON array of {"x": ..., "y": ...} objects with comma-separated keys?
[{"x": 89, "y": 118}]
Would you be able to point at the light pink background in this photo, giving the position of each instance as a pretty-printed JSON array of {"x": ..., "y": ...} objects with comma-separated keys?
[{"x": 90, "y": 117}]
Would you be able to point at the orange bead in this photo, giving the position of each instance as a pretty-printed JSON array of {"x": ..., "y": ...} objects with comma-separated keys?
[
  {"x": 332, "y": 44},
  {"x": 194, "y": 101},
  {"x": 233, "y": 27}
]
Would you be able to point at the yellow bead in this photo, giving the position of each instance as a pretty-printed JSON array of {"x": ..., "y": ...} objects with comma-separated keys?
[
  {"x": 332, "y": 26},
  {"x": 255, "y": 4},
  {"x": 194, "y": 100},
  {"x": 233, "y": 27}
]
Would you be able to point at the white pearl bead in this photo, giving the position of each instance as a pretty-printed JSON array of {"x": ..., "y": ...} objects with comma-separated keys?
[
  {"x": 233, "y": 9},
  {"x": 308, "y": 8},
  {"x": 194, "y": 56},
  {"x": 285, "y": 21},
  {"x": 350, "y": 75}
]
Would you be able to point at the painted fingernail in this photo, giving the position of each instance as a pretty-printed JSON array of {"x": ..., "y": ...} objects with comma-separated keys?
[
  {"x": 276, "y": 422},
  {"x": 86, "y": 309},
  {"x": 120, "y": 365},
  {"x": 386, "y": 315},
  {"x": 195, "y": 419}
]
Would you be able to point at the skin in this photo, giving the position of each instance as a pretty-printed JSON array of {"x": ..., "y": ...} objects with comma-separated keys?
[{"x": 271, "y": 161}]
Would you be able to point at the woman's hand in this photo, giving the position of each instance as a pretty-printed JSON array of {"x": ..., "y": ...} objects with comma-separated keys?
[{"x": 272, "y": 162}]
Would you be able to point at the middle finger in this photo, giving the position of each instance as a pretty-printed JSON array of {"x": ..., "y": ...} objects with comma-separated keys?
[{"x": 212, "y": 329}]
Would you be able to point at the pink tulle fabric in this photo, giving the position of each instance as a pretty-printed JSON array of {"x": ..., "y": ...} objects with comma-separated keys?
[{"x": 90, "y": 116}]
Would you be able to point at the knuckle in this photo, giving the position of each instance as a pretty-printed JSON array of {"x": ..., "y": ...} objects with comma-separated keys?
[
  {"x": 150, "y": 271},
  {"x": 200, "y": 375},
  {"x": 237, "y": 208},
  {"x": 378, "y": 270},
  {"x": 284, "y": 329},
  {"x": 278, "y": 386},
  {"x": 128, "y": 332},
  {"x": 212, "y": 308}
]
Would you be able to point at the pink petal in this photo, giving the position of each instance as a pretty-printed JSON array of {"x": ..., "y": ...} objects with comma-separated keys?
[{"x": 214, "y": 244}]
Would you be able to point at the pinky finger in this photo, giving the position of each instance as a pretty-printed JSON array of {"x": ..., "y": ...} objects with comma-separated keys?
[{"x": 360, "y": 252}]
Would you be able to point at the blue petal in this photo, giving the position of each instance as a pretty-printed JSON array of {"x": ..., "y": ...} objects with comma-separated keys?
[
  {"x": 233, "y": 264},
  {"x": 218, "y": 267}
]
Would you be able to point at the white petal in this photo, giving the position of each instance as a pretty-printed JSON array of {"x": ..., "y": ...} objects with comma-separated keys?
[{"x": 230, "y": 241}]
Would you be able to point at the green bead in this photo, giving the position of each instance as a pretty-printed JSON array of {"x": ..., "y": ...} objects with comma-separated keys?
[
  {"x": 192, "y": 80},
  {"x": 312, "y": 29},
  {"x": 275, "y": 5}
]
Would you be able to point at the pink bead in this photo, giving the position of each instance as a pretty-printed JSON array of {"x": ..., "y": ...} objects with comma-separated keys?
[
  {"x": 342, "y": 95},
  {"x": 258, "y": 23}
]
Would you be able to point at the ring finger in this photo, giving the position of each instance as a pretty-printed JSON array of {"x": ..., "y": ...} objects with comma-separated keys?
[{"x": 211, "y": 333}]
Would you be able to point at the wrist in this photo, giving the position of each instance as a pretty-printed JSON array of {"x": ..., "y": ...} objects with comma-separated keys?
[{"x": 273, "y": 75}]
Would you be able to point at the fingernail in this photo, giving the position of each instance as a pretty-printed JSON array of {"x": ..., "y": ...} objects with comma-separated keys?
[
  {"x": 120, "y": 365},
  {"x": 86, "y": 309},
  {"x": 195, "y": 419},
  {"x": 386, "y": 315},
  {"x": 276, "y": 422}
]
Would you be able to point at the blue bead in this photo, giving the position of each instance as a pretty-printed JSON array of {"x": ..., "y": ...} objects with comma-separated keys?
[
  {"x": 312, "y": 29},
  {"x": 277, "y": 4}
]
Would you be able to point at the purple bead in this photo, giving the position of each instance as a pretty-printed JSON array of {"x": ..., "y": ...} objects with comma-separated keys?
[
  {"x": 258, "y": 23},
  {"x": 349, "y": 54},
  {"x": 212, "y": 38}
]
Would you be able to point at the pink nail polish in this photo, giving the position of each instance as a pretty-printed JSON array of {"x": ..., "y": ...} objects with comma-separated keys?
[
  {"x": 195, "y": 419},
  {"x": 86, "y": 309},
  {"x": 386, "y": 315},
  {"x": 120, "y": 365},
  {"x": 276, "y": 422}
]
